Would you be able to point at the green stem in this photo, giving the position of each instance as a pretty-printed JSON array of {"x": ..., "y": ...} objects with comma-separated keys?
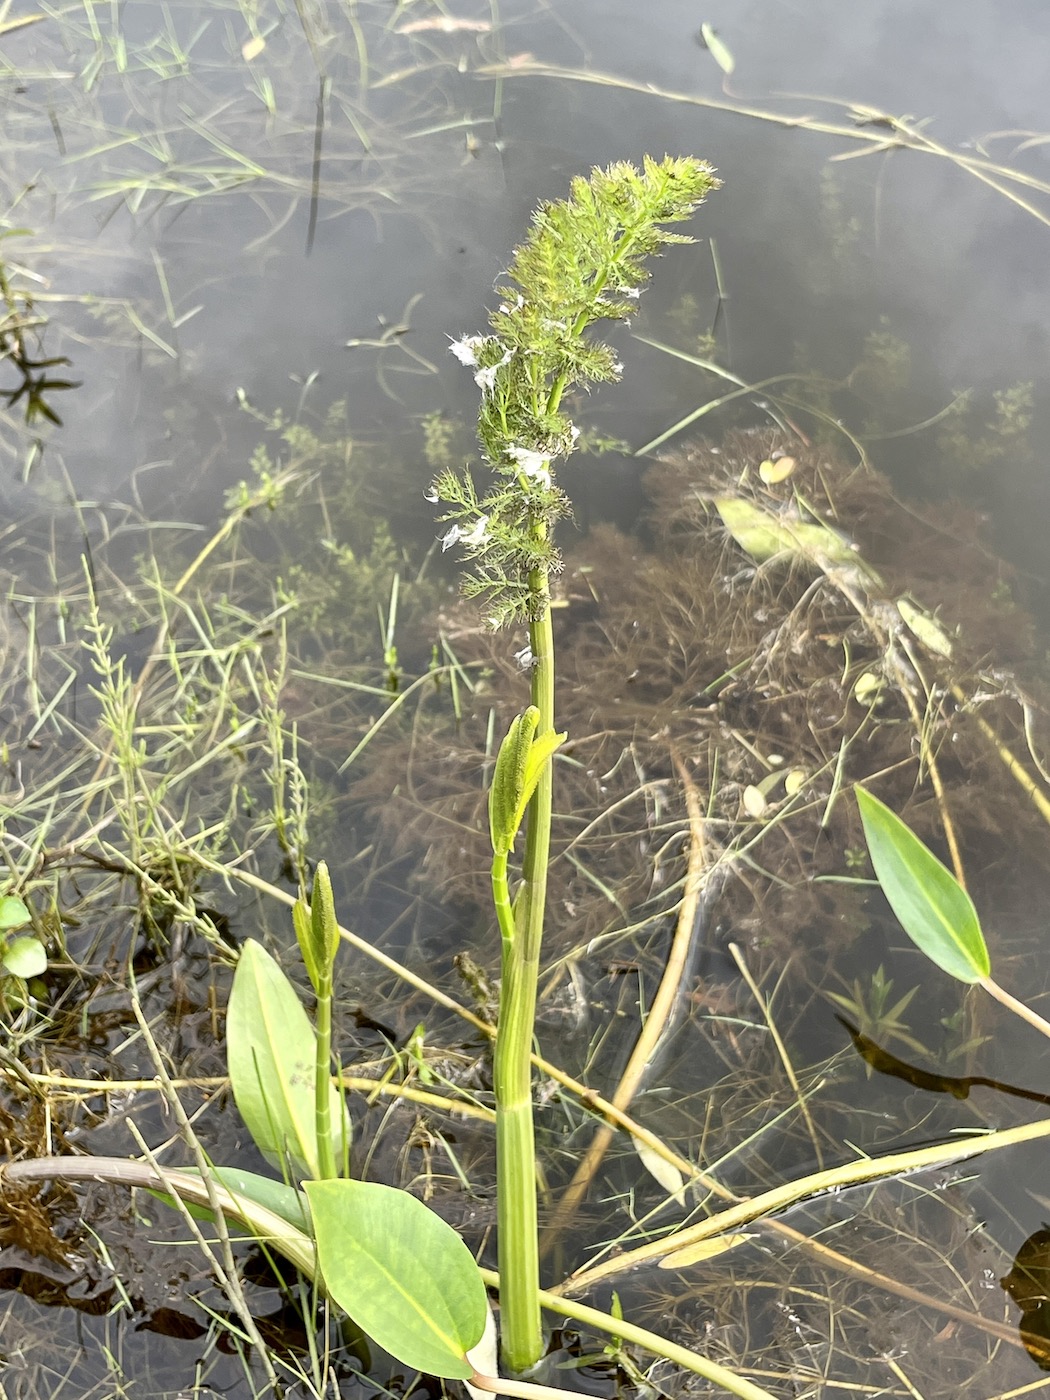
[
  {"x": 624, "y": 1331},
  {"x": 501, "y": 898},
  {"x": 522, "y": 1334},
  {"x": 326, "y": 1165}
]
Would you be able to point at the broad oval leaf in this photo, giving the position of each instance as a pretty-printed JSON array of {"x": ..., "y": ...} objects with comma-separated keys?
[
  {"x": 933, "y": 908},
  {"x": 13, "y": 913},
  {"x": 773, "y": 472},
  {"x": 271, "y": 1053},
  {"x": 403, "y": 1275},
  {"x": 25, "y": 957},
  {"x": 662, "y": 1171}
]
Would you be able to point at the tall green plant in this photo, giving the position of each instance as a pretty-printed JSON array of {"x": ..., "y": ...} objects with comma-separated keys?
[
  {"x": 584, "y": 261},
  {"x": 396, "y": 1268}
]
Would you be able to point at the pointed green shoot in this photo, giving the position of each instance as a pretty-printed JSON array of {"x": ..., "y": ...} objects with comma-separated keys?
[
  {"x": 400, "y": 1272},
  {"x": 317, "y": 929},
  {"x": 933, "y": 908},
  {"x": 520, "y": 761}
]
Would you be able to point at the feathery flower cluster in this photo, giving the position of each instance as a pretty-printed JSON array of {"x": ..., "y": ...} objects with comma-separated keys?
[{"x": 583, "y": 261}]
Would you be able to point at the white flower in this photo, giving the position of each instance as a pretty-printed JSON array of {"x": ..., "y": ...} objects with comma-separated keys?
[
  {"x": 431, "y": 495},
  {"x": 485, "y": 379},
  {"x": 632, "y": 293},
  {"x": 450, "y": 537},
  {"x": 532, "y": 464},
  {"x": 574, "y": 432},
  {"x": 465, "y": 350},
  {"x": 618, "y": 367},
  {"x": 525, "y": 658},
  {"x": 476, "y": 536}
]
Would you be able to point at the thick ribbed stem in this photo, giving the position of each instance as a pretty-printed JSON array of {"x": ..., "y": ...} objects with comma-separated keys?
[{"x": 522, "y": 1336}]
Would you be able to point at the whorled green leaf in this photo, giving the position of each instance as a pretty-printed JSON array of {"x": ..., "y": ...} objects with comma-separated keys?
[
  {"x": 271, "y": 1057},
  {"x": 403, "y": 1274},
  {"x": 24, "y": 957},
  {"x": 933, "y": 908},
  {"x": 13, "y": 913}
]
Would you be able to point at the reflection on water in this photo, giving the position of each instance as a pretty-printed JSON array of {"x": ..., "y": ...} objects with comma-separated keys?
[{"x": 252, "y": 231}]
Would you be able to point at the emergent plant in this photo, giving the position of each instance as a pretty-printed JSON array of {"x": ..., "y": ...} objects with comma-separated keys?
[{"x": 584, "y": 261}]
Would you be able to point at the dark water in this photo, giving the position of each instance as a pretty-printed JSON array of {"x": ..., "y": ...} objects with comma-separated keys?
[{"x": 204, "y": 225}]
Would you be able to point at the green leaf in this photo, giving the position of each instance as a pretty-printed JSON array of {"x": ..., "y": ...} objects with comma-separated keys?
[
  {"x": 519, "y": 766},
  {"x": 508, "y": 777},
  {"x": 264, "y": 1191},
  {"x": 403, "y": 1275},
  {"x": 305, "y": 938},
  {"x": 933, "y": 908},
  {"x": 13, "y": 913},
  {"x": 764, "y": 535},
  {"x": 271, "y": 1056},
  {"x": 323, "y": 920},
  {"x": 25, "y": 957},
  {"x": 718, "y": 50},
  {"x": 928, "y": 630}
]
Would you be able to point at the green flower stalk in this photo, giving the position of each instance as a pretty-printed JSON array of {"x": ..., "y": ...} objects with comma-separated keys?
[
  {"x": 317, "y": 931},
  {"x": 582, "y": 262}
]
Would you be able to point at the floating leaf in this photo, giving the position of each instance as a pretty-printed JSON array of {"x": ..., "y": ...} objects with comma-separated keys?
[
  {"x": 718, "y": 50},
  {"x": 933, "y": 908},
  {"x": 662, "y": 1171},
  {"x": 13, "y": 913},
  {"x": 25, "y": 957},
  {"x": 271, "y": 1054},
  {"x": 706, "y": 1249},
  {"x": 403, "y": 1274},
  {"x": 773, "y": 472}
]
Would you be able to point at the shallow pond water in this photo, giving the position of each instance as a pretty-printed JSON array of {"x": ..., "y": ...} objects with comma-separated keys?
[{"x": 249, "y": 231}]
